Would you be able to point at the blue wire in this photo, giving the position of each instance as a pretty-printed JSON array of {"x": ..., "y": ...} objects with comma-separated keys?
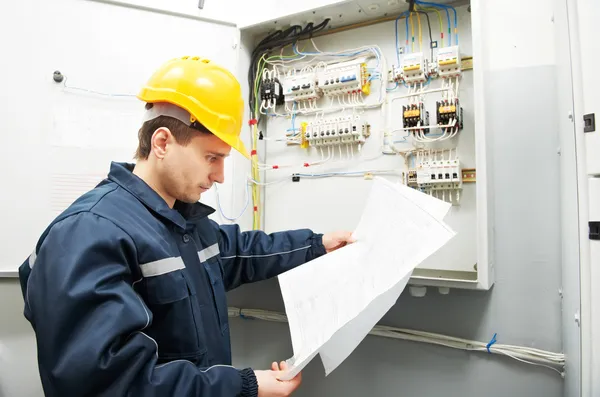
[
  {"x": 491, "y": 342},
  {"x": 336, "y": 173},
  {"x": 293, "y": 115},
  {"x": 396, "y": 25},
  {"x": 241, "y": 213}
]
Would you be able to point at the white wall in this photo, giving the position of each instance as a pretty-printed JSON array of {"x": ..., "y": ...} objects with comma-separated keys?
[
  {"x": 241, "y": 12},
  {"x": 98, "y": 47}
]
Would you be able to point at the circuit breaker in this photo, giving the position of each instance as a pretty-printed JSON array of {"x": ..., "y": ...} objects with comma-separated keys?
[
  {"x": 301, "y": 87},
  {"x": 448, "y": 62},
  {"x": 343, "y": 79}
]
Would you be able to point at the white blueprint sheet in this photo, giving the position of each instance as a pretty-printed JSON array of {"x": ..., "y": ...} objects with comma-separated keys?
[{"x": 334, "y": 301}]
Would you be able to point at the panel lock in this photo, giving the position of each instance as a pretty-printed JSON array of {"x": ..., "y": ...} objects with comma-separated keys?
[
  {"x": 594, "y": 230},
  {"x": 589, "y": 122}
]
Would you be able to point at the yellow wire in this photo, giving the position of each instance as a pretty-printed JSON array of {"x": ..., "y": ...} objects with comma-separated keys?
[
  {"x": 440, "y": 19},
  {"x": 420, "y": 33},
  {"x": 255, "y": 172},
  {"x": 412, "y": 29}
]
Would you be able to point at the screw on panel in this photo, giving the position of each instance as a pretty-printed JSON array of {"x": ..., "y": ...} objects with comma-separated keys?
[
  {"x": 58, "y": 76},
  {"x": 577, "y": 321}
]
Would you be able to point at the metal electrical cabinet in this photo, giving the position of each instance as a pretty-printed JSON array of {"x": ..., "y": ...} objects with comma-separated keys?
[{"x": 328, "y": 203}]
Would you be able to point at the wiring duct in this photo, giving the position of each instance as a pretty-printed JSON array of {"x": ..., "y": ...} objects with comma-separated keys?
[{"x": 528, "y": 355}]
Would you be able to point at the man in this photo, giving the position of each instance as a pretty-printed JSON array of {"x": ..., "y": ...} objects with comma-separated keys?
[{"x": 126, "y": 290}]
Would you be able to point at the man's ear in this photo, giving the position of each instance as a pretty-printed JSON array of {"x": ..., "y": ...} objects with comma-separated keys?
[{"x": 159, "y": 142}]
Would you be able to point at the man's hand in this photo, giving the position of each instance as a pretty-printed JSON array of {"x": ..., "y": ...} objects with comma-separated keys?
[
  {"x": 335, "y": 240},
  {"x": 270, "y": 386}
]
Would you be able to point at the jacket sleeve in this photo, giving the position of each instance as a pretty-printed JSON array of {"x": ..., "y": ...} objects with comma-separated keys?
[
  {"x": 89, "y": 322},
  {"x": 253, "y": 256}
]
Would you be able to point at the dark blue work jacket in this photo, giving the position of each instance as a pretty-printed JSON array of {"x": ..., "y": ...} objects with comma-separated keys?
[{"x": 127, "y": 296}]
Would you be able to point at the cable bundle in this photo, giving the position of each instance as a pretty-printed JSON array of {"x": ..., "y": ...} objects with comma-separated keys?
[
  {"x": 528, "y": 355},
  {"x": 277, "y": 39}
]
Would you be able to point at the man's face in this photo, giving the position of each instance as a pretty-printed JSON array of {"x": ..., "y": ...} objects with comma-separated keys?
[{"x": 188, "y": 171}]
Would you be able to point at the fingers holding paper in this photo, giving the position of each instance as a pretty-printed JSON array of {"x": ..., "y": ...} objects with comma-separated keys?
[
  {"x": 270, "y": 385},
  {"x": 336, "y": 240}
]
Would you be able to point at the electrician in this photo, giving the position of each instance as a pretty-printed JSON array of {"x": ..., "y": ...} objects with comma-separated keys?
[{"x": 126, "y": 290}]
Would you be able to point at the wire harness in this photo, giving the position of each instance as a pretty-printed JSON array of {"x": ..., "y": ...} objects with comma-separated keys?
[{"x": 527, "y": 355}]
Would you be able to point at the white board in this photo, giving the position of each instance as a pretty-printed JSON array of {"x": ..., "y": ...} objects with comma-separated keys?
[{"x": 60, "y": 139}]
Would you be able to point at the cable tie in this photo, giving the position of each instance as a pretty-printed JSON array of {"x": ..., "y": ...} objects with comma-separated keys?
[
  {"x": 275, "y": 167},
  {"x": 255, "y": 208},
  {"x": 306, "y": 164},
  {"x": 253, "y": 153},
  {"x": 252, "y": 122},
  {"x": 490, "y": 343}
]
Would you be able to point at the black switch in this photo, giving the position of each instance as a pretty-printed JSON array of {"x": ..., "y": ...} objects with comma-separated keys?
[
  {"x": 589, "y": 122},
  {"x": 594, "y": 230}
]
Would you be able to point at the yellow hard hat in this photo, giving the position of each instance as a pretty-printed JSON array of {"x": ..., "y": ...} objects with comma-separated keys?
[{"x": 208, "y": 92}]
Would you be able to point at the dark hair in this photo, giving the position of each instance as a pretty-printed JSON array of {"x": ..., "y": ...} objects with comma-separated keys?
[{"x": 181, "y": 132}]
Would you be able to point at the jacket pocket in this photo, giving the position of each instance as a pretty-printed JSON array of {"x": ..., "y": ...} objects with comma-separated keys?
[
  {"x": 213, "y": 268},
  {"x": 176, "y": 326}
]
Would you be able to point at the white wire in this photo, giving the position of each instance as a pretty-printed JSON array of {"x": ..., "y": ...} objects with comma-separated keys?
[{"x": 527, "y": 355}]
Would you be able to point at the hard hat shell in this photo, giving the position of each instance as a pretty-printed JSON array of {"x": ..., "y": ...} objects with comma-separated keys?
[{"x": 210, "y": 93}]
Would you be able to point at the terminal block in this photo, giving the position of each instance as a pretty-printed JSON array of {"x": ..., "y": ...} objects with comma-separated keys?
[
  {"x": 415, "y": 115},
  {"x": 411, "y": 179},
  {"x": 337, "y": 131},
  {"x": 449, "y": 111}
]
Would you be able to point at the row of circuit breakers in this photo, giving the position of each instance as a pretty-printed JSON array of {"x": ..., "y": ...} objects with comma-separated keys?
[
  {"x": 352, "y": 78},
  {"x": 338, "y": 79}
]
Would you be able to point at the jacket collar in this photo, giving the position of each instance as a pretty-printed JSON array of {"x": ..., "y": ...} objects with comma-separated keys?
[{"x": 180, "y": 214}]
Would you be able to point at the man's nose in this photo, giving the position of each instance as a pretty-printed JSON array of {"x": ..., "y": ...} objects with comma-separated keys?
[{"x": 218, "y": 175}]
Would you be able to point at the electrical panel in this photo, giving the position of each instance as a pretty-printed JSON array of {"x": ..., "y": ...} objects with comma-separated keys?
[
  {"x": 448, "y": 62},
  {"x": 301, "y": 87},
  {"x": 389, "y": 104}
]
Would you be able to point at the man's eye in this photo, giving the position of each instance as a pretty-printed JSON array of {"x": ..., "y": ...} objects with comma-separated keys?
[{"x": 212, "y": 159}]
